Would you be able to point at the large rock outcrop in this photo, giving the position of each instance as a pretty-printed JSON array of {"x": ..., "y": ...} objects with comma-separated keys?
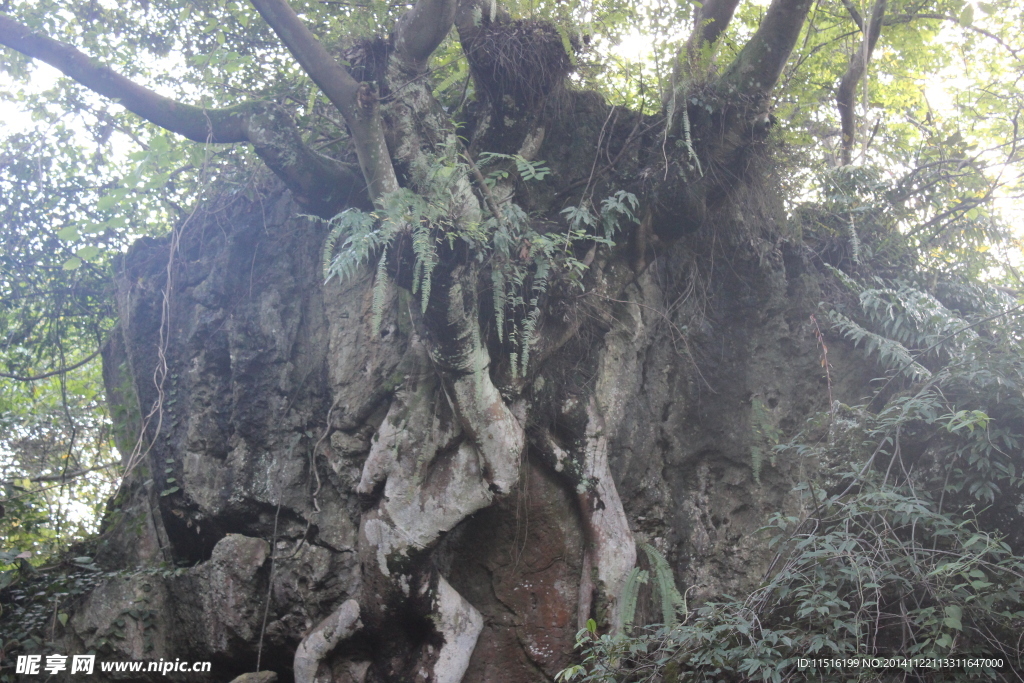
[{"x": 262, "y": 393}]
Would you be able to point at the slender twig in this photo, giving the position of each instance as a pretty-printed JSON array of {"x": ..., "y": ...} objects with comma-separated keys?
[
  {"x": 825, "y": 364},
  {"x": 59, "y": 477},
  {"x": 52, "y": 373}
]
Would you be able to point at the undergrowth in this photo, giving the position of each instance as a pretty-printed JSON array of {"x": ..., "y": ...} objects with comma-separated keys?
[{"x": 905, "y": 545}]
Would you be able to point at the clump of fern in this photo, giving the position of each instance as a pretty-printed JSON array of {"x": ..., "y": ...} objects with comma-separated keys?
[
  {"x": 357, "y": 238},
  {"x": 522, "y": 260},
  {"x": 671, "y": 601},
  {"x": 427, "y": 216},
  {"x": 902, "y": 325}
]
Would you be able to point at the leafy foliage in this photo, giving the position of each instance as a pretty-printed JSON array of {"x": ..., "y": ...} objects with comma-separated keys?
[
  {"x": 900, "y": 548},
  {"x": 38, "y": 602},
  {"x": 880, "y": 572},
  {"x": 925, "y": 195}
]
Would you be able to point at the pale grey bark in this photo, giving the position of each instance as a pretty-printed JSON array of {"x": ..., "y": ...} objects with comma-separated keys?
[
  {"x": 319, "y": 642},
  {"x": 422, "y": 28},
  {"x": 847, "y": 92}
]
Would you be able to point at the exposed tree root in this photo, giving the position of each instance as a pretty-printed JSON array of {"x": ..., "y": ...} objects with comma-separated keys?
[{"x": 319, "y": 642}]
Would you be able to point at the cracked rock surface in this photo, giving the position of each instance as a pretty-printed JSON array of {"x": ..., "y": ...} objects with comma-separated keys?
[{"x": 280, "y": 410}]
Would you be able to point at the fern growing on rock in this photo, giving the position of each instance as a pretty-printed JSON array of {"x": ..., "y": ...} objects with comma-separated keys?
[{"x": 522, "y": 260}]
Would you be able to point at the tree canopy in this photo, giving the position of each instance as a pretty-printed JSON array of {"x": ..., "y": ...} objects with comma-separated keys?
[{"x": 413, "y": 128}]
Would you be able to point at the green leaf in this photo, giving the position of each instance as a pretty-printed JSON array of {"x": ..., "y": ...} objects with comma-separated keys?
[
  {"x": 88, "y": 253},
  {"x": 967, "y": 15},
  {"x": 68, "y": 234},
  {"x": 107, "y": 202},
  {"x": 72, "y": 263}
]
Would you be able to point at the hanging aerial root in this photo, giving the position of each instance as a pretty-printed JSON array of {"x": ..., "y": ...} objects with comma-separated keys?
[
  {"x": 460, "y": 624},
  {"x": 341, "y": 624}
]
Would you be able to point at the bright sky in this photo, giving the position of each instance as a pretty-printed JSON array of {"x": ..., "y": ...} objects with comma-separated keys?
[{"x": 12, "y": 118}]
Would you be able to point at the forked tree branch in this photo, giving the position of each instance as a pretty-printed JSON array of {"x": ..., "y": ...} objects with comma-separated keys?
[
  {"x": 847, "y": 91},
  {"x": 356, "y": 101},
  {"x": 321, "y": 184},
  {"x": 420, "y": 30},
  {"x": 854, "y": 13},
  {"x": 759, "y": 64}
]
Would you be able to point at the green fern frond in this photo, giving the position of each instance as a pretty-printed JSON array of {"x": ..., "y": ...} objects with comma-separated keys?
[
  {"x": 891, "y": 354},
  {"x": 756, "y": 462},
  {"x": 689, "y": 141},
  {"x": 847, "y": 281},
  {"x": 630, "y": 595},
  {"x": 563, "y": 33},
  {"x": 460, "y": 72},
  {"x": 529, "y": 330},
  {"x": 337, "y": 230},
  {"x": 672, "y": 601},
  {"x": 425, "y": 261},
  {"x": 540, "y": 286},
  {"x": 361, "y": 237},
  {"x": 380, "y": 289}
]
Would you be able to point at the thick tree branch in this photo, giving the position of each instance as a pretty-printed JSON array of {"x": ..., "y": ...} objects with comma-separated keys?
[
  {"x": 712, "y": 19},
  {"x": 318, "y": 182},
  {"x": 321, "y": 184},
  {"x": 847, "y": 91},
  {"x": 421, "y": 30},
  {"x": 854, "y": 14},
  {"x": 356, "y": 101},
  {"x": 757, "y": 67},
  {"x": 194, "y": 123}
]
